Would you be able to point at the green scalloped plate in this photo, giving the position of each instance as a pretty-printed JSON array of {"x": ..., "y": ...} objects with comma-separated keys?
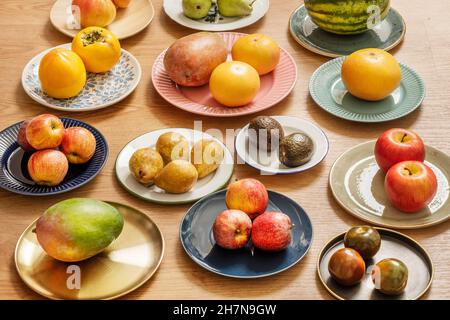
[
  {"x": 328, "y": 91},
  {"x": 386, "y": 35}
]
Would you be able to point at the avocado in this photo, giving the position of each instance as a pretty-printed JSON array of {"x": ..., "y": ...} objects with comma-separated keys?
[
  {"x": 268, "y": 124},
  {"x": 295, "y": 149}
]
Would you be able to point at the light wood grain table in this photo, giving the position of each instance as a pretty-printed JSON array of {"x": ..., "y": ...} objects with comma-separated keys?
[{"x": 26, "y": 31}]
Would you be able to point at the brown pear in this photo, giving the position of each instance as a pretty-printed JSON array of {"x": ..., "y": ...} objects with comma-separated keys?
[
  {"x": 172, "y": 146},
  {"x": 206, "y": 156},
  {"x": 179, "y": 176},
  {"x": 145, "y": 164}
]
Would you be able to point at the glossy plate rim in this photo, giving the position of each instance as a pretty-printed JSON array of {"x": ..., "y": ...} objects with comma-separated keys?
[
  {"x": 100, "y": 169},
  {"x": 37, "y": 99},
  {"x": 382, "y": 230},
  {"x": 132, "y": 192},
  {"x": 71, "y": 35},
  {"x": 366, "y": 218},
  {"x": 301, "y": 168},
  {"x": 236, "y": 112},
  {"x": 232, "y": 25},
  {"x": 318, "y": 101},
  {"x": 139, "y": 284},
  {"x": 329, "y": 54},
  {"x": 205, "y": 267}
]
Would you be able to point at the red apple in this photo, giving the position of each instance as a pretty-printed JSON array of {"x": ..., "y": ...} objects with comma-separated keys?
[
  {"x": 410, "y": 185},
  {"x": 45, "y": 131},
  {"x": 22, "y": 137},
  {"x": 232, "y": 229},
  {"x": 271, "y": 231},
  {"x": 78, "y": 145},
  {"x": 397, "y": 145},
  {"x": 248, "y": 195},
  {"x": 48, "y": 167}
]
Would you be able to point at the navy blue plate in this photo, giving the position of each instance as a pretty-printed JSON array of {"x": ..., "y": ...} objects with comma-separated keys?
[
  {"x": 14, "y": 175},
  {"x": 198, "y": 241}
]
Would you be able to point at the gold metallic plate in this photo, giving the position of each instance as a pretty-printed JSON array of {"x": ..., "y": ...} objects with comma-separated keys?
[{"x": 124, "y": 266}]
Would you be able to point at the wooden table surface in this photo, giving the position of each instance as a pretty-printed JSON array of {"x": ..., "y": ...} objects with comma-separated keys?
[{"x": 27, "y": 31}]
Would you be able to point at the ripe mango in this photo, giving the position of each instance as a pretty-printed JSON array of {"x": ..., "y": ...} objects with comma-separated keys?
[{"x": 77, "y": 229}]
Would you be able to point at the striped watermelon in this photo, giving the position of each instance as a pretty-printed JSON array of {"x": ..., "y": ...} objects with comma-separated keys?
[{"x": 347, "y": 16}]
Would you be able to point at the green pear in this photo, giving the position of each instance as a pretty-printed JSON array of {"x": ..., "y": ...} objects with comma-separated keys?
[
  {"x": 196, "y": 9},
  {"x": 235, "y": 8}
]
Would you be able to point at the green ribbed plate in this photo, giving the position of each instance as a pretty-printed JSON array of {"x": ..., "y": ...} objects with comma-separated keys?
[
  {"x": 328, "y": 91},
  {"x": 386, "y": 35}
]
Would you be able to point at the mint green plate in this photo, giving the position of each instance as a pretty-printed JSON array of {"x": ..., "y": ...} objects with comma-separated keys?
[
  {"x": 328, "y": 91},
  {"x": 386, "y": 35}
]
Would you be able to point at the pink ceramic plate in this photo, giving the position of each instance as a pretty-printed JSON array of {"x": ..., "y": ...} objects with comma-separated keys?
[{"x": 275, "y": 86}]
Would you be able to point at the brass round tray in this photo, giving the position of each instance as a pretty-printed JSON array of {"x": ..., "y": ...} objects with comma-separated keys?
[
  {"x": 125, "y": 265},
  {"x": 393, "y": 245}
]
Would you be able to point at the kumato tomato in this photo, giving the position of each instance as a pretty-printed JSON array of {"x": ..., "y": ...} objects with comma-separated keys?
[
  {"x": 364, "y": 239},
  {"x": 390, "y": 276},
  {"x": 347, "y": 267}
]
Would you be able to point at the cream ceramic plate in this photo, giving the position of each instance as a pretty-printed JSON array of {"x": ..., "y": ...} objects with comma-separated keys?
[
  {"x": 121, "y": 268},
  {"x": 213, "y": 182},
  {"x": 358, "y": 186},
  {"x": 270, "y": 164},
  {"x": 174, "y": 10},
  {"x": 128, "y": 22}
]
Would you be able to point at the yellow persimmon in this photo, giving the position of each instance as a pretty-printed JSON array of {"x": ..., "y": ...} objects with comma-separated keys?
[
  {"x": 258, "y": 50},
  {"x": 371, "y": 74},
  {"x": 62, "y": 73},
  {"x": 234, "y": 83},
  {"x": 99, "y": 49}
]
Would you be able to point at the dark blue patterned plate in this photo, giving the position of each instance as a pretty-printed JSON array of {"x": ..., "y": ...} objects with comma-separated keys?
[
  {"x": 198, "y": 241},
  {"x": 14, "y": 175}
]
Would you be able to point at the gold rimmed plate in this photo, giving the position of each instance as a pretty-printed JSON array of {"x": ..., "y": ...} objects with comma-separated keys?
[
  {"x": 128, "y": 22},
  {"x": 357, "y": 184},
  {"x": 125, "y": 265},
  {"x": 393, "y": 245}
]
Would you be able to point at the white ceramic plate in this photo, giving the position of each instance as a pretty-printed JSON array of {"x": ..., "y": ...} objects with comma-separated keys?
[
  {"x": 209, "y": 184},
  {"x": 101, "y": 89},
  {"x": 174, "y": 10},
  {"x": 128, "y": 21},
  {"x": 357, "y": 185},
  {"x": 272, "y": 165}
]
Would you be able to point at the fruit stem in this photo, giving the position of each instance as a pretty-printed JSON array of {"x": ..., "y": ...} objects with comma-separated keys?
[
  {"x": 408, "y": 171},
  {"x": 403, "y": 138}
]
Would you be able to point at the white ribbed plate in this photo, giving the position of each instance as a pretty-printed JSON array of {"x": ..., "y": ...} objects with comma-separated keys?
[
  {"x": 174, "y": 9},
  {"x": 275, "y": 86}
]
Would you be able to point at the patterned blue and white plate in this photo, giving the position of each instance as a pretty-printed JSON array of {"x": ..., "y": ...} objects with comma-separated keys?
[
  {"x": 101, "y": 89},
  {"x": 14, "y": 175}
]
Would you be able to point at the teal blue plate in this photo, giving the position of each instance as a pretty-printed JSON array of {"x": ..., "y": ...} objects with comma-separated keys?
[
  {"x": 328, "y": 91},
  {"x": 386, "y": 35}
]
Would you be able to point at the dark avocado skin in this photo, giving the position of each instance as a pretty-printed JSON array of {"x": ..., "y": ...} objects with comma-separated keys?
[
  {"x": 295, "y": 149},
  {"x": 269, "y": 124}
]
